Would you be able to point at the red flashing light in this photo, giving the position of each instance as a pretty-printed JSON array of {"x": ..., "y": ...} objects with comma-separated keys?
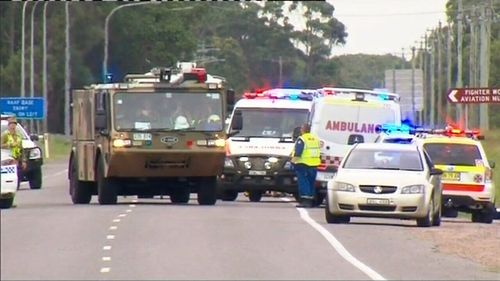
[
  {"x": 450, "y": 131},
  {"x": 201, "y": 74}
]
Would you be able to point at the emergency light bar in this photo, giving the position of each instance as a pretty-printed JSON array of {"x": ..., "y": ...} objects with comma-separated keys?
[
  {"x": 359, "y": 94},
  {"x": 291, "y": 94},
  {"x": 450, "y": 131}
]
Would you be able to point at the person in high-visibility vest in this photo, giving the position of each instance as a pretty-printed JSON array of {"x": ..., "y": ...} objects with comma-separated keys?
[
  {"x": 12, "y": 140},
  {"x": 305, "y": 160}
]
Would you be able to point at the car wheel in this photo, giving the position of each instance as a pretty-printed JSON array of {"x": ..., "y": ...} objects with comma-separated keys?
[
  {"x": 6, "y": 203},
  {"x": 80, "y": 191},
  {"x": 449, "y": 212},
  {"x": 255, "y": 196},
  {"x": 207, "y": 191},
  {"x": 436, "y": 220},
  {"x": 428, "y": 219},
  {"x": 180, "y": 195},
  {"x": 36, "y": 179},
  {"x": 106, "y": 189},
  {"x": 331, "y": 218},
  {"x": 486, "y": 215},
  {"x": 229, "y": 195}
]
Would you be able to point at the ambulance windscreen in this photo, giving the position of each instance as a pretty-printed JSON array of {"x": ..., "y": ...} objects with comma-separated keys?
[{"x": 270, "y": 122}]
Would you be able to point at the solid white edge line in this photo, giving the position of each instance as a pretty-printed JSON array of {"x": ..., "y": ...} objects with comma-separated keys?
[{"x": 339, "y": 247}]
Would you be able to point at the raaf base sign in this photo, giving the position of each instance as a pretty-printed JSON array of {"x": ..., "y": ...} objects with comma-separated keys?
[
  {"x": 474, "y": 95},
  {"x": 23, "y": 108}
]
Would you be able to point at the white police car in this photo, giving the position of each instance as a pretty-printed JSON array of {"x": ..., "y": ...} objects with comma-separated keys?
[
  {"x": 33, "y": 171},
  {"x": 9, "y": 180}
]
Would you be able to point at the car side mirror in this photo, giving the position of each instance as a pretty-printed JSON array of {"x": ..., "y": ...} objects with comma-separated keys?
[
  {"x": 34, "y": 137},
  {"x": 492, "y": 164},
  {"x": 230, "y": 96},
  {"x": 436, "y": 172}
]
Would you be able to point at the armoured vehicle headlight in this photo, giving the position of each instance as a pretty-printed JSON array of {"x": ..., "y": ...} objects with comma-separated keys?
[
  {"x": 35, "y": 153},
  {"x": 243, "y": 159},
  {"x": 413, "y": 189},
  {"x": 272, "y": 159},
  {"x": 220, "y": 142},
  {"x": 228, "y": 163},
  {"x": 122, "y": 143},
  {"x": 248, "y": 165}
]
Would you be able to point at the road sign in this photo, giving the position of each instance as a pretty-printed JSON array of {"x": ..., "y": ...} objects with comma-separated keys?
[
  {"x": 474, "y": 95},
  {"x": 23, "y": 108}
]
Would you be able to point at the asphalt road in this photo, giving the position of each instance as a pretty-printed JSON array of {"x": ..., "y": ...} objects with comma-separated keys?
[{"x": 47, "y": 238}]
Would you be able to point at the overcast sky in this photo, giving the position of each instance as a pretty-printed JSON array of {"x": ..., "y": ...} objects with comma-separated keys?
[{"x": 385, "y": 26}]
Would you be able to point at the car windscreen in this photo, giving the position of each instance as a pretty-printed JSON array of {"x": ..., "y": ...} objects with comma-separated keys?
[
  {"x": 270, "y": 122},
  {"x": 384, "y": 159},
  {"x": 19, "y": 130},
  {"x": 168, "y": 111},
  {"x": 454, "y": 154}
]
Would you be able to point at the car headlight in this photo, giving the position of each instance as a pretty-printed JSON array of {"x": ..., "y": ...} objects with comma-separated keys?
[
  {"x": 228, "y": 163},
  {"x": 342, "y": 186},
  {"x": 288, "y": 165},
  {"x": 248, "y": 165},
  {"x": 413, "y": 189},
  {"x": 35, "y": 153}
]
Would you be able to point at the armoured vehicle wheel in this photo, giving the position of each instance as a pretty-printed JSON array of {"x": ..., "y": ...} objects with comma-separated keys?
[
  {"x": 106, "y": 189},
  {"x": 80, "y": 191},
  {"x": 255, "y": 196},
  {"x": 436, "y": 220},
  {"x": 6, "y": 203},
  {"x": 36, "y": 179},
  {"x": 331, "y": 218},
  {"x": 207, "y": 191},
  {"x": 180, "y": 195},
  {"x": 229, "y": 195},
  {"x": 296, "y": 196}
]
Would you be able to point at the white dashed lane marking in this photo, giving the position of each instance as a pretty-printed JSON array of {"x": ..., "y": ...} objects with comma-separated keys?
[
  {"x": 106, "y": 248},
  {"x": 105, "y": 269}
]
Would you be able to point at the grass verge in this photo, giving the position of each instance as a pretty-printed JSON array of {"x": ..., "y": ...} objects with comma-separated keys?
[{"x": 491, "y": 145}]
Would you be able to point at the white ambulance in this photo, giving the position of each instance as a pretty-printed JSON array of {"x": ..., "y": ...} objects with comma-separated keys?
[
  {"x": 342, "y": 117},
  {"x": 261, "y": 139}
]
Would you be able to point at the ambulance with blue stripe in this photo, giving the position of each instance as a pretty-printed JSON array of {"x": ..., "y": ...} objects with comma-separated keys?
[
  {"x": 341, "y": 117},
  {"x": 467, "y": 179}
]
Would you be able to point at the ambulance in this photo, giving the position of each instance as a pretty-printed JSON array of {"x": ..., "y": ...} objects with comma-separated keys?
[
  {"x": 467, "y": 174},
  {"x": 341, "y": 117},
  {"x": 261, "y": 139}
]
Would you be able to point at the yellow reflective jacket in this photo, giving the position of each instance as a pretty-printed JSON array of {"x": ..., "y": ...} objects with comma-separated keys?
[{"x": 311, "y": 153}]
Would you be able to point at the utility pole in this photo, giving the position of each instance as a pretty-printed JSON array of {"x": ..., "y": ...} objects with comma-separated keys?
[
  {"x": 484, "y": 61},
  {"x": 413, "y": 83},
  {"x": 448, "y": 68},
  {"x": 432, "y": 119},
  {"x": 459, "y": 83},
  {"x": 424, "y": 90},
  {"x": 425, "y": 119},
  {"x": 471, "y": 116},
  {"x": 440, "y": 77},
  {"x": 67, "y": 75}
]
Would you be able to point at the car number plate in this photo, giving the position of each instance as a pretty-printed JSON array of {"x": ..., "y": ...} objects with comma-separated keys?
[
  {"x": 325, "y": 176},
  {"x": 142, "y": 136},
  {"x": 377, "y": 201},
  {"x": 257, "y": 173},
  {"x": 450, "y": 176}
]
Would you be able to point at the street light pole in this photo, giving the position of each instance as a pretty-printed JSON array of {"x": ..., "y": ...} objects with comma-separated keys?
[
  {"x": 23, "y": 93},
  {"x": 106, "y": 29},
  {"x": 45, "y": 100},
  {"x": 32, "y": 63}
]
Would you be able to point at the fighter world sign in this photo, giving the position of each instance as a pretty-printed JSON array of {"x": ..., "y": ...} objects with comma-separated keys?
[{"x": 474, "y": 95}]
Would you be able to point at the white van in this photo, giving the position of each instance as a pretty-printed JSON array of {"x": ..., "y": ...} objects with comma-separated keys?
[
  {"x": 261, "y": 140},
  {"x": 342, "y": 117}
]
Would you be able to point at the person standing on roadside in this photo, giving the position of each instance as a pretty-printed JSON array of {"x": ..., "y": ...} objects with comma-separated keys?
[
  {"x": 305, "y": 160},
  {"x": 13, "y": 141}
]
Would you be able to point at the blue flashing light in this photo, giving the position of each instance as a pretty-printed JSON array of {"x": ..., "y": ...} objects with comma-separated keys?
[
  {"x": 293, "y": 97},
  {"x": 109, "y": 77},
  {"x": 383, "y": 97}
]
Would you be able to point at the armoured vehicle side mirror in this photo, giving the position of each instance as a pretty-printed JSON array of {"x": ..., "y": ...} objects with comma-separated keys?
[
  {"x": 436, "y": 172},
  {"x": 237, "y": 122},
  {"x": 296, "y": 133},
  {"x": 492, "y": 164}
]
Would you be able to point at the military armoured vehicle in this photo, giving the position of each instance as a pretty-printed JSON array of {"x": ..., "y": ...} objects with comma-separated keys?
[{"x": 159, "y": 133}]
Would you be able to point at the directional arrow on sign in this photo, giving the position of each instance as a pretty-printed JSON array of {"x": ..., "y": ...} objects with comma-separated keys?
[{"x": 452, "y": 94}]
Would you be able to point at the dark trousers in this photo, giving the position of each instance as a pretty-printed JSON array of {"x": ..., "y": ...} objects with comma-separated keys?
[{"x": 306, "y": 176}]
